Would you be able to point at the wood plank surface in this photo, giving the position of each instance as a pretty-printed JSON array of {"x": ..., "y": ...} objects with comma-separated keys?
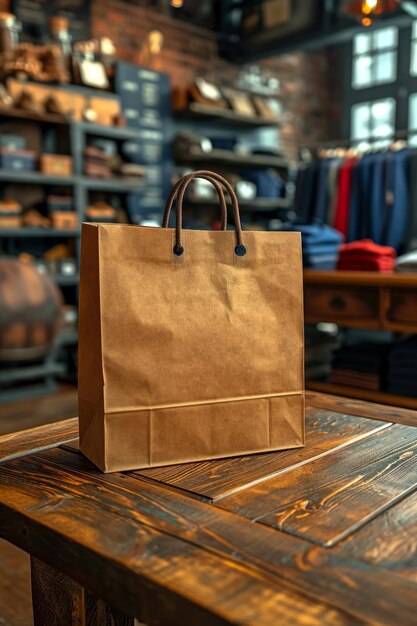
[
  {"x": 327, "y": 499},
  {"x": 58, "y": 498},
  {"x": 375, "y": 279},
  {"x": 153, "y": 575},
  {"x": 36, "y": 439},
  {"x": 373, "y": 410},
  {"x": 369, "y": 395},
  {"x": 34, "y": 412},
  {"x": 325, "y": 431},
  {"x": 390, "y": 540}
]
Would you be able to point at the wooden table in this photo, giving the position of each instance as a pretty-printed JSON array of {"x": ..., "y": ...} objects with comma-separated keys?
[
  {"x": 325, "y": 535},
  {"x": 368, "y": 300}
]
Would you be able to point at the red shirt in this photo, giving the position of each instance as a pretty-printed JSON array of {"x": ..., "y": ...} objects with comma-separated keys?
[{"x": 341, "y": 219}]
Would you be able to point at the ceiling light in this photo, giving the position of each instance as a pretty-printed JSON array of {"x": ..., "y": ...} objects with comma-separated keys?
[
  {"x": 177, "y": 4},
  {"x": 366, "y": 10}
]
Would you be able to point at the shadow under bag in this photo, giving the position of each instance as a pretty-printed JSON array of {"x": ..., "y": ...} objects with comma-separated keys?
[{"x": 191, "y": 343}]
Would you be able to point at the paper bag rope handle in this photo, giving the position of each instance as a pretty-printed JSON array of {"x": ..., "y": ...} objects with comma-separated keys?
[
  {"x": 173, "y": 193},
  {"x": 181, "y": 188}
]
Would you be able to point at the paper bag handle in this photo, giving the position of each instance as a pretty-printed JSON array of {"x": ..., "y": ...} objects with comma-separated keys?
[
  {"x": 173, "y": 193},
  {"x": 181, "y": 187}
]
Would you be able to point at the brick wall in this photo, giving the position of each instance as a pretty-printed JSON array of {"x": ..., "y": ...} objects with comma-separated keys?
[{"x": 311, "y": 108}]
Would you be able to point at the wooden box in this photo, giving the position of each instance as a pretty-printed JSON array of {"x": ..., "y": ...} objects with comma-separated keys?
[
  {"x": 56, "y": 164},
  {"x": 64, "y": 219}
]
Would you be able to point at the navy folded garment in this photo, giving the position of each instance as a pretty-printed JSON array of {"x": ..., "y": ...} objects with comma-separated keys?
[
  {"x": 315, "y": 233},
  {"x": 408, "y": 347},
  {"x": 401, "y": 390}
]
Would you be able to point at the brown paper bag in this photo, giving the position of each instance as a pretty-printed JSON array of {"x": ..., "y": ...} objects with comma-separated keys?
[{"x": 190, "y": 342}]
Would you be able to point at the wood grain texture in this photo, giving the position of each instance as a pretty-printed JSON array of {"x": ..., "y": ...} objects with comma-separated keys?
[
  {"x": 61, "y": 492},
  {"x": 340, "y": 277},
  {"x": 390, "y": 540},
  {"x": 327, "y": 499},
  {"x": 38, "y": 411},
  {"x": 216, "y": 479},
  {"x": 359, "y": 407},
  {"x": 154, "y": 575},
  {"x": 35, "y": 439},
  {"x": 56, "y": 599},
  {"x": 357, "y": 393}
]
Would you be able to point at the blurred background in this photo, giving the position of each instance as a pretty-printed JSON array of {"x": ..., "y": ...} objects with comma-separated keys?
[{"x": 308, "y": 107}]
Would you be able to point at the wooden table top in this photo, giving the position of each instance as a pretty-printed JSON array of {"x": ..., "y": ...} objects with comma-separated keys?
[{"x": 324, "y": 535}]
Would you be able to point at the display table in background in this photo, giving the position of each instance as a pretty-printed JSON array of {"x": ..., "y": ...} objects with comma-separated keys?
[
  {"x": 366, "y": 300},
  {"x": 323, "y": 535}
]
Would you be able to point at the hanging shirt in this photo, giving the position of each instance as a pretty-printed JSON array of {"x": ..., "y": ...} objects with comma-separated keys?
[
  {"x": 332, "y": 183},
  {"x": 396, "y": 213},
  {"x": 343, "y": 196},
  {"x": 411, "y": 233}
]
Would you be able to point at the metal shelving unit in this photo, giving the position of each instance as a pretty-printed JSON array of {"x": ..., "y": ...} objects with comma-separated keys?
[
  {"x": 227, "y": 117},
  {"x": 40, "y": 377}
]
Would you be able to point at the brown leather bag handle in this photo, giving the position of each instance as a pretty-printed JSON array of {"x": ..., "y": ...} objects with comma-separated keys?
[{"x": 181, "y": 188}]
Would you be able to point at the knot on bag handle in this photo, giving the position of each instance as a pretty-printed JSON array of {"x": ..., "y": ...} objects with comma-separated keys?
[{"x": 179, "y": 190}]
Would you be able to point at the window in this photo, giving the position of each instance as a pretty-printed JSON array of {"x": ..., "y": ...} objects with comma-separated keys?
[
  {"x": 375, "y": 57},
  {"x": 413, "y": 53},
  {"x": 412, "y": 118},
  {"x": 373, "y": 120}
]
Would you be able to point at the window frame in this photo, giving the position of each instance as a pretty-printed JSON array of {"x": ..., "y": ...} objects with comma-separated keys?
[{"x": 400, "y": 89}]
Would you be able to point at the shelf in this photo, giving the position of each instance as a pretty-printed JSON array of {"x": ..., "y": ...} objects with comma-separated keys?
[
  {"x": 113, "y": 132},
  {"x": 32, "y": 116},
  {"x": 362, "y": 394},
  {"x": 225, "y": 116},
  {"x": 252, "y": 206},
  {"x": 35, "y": 178},
  {"x": 227, "y": 157},
  {"x": 27, "y": 231},
  {"x": 117, "y": 185}
]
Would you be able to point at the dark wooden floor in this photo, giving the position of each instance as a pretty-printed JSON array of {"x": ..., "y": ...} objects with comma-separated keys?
[{"x": 15, "y": 594}]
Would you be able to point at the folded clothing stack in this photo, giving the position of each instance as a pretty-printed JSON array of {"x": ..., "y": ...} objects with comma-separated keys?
[
  {"x": 320, "y": 244},
  {"x": 319, "y": 349},
  {"x": 362, "y": 365},
  {"x": 97, "y": 162},
  {"x": 407, "y": 262},
  {"x": 365, "y": 255},
  {"x": 402, "y": 368}
]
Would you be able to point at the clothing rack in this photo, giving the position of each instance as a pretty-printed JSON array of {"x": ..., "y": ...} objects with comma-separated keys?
[{"x": 347, "y": 143}]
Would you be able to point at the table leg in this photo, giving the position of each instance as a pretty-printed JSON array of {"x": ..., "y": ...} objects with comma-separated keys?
[
  {"x": 56, "y": 599},
  {"x": 59, "y": 601},
  {"x": 98, "y": 613}
]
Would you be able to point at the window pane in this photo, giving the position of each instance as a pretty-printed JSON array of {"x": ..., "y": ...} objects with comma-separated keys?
[
  {"x": 414, "y": 31},
  {"x": 413, "y": 59},
  {"x": 360, "y": 124},
  {"x": 361, "y": 43},
  {"x": 385, "y": 67},
  {"x": 412, "y": 112},
  {"x": 412, "y": 118},
  {"x": 383, "y": 117},
  {"x": 385, "y": 38},
  {"x": 362, "y": 71}
]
